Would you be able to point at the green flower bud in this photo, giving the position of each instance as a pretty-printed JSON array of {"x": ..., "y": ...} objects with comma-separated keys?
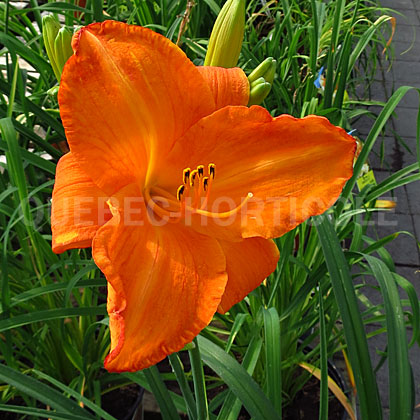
[
  {"x": 53, "y": 91},
  {"x": 266, "y": 69},
  {"x": 258, "y": 93},
  {"x": 57, "y": 41},
  {"x": 261, "y": 80},
  {"x": 50, "y": 28},
  {"x": 257, "y": 82},
  {"x": 227, "y": 35},
  {"x": 62, "y": 45}
]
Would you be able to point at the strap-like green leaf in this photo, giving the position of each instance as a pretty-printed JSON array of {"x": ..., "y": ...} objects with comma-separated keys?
[
  {"x": 41, "y": 392},
  {"x": 370, "y": 404},
  {"x": 400, "y": 390},
  {"x": 238, "y": 380}
]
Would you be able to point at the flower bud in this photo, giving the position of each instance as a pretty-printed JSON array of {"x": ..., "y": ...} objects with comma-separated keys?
[
  {"x": 50, "y": 28},
  {"x": 62, "y": 45},
  {"x": 57, "y": 41},
  {"x": 227, "y": 35},
  {"x": 260, "y": 81},
  {"x": 266, "y": 69},
  {"x": 258, "y": 92}
]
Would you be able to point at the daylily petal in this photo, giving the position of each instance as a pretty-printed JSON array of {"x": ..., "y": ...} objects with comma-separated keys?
[
  {"x": 122, "y": 103},
  {"x": 295, "y": 168},
  {"x": 248, "y": 263},
  {"x": 229, "y": 86},
  {"x": 78, "y": 207},
  {"x": 165, "y": 284}
]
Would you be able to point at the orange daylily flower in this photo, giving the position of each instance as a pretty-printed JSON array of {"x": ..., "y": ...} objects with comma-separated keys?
[{"x": 178, "y": 186}]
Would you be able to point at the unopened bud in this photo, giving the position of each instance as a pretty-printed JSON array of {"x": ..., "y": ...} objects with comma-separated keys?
[
  {"x": 227, "y": 35},
  {"x": 260, "y": 81},
  {"x": 63, "y": 50},
  {"x": 385, "y": 204},
  {"x": 266, "y": 69},
  {"x": 57, "y": 41},
  {"x": 259, "y": 92},
  {"x": 50, "y": 28}
]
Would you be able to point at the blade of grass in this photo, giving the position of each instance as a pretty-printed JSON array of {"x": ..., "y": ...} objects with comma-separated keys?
[
  {"x": 39, "y": 412},
  {"x": 329, "y": 83},
  {"x": 238, "y": 380},
  {"x": 400, "y": 390},
  {"x": 333, "y": 387},
  {"x": 75, "y": 394},
  {"x": 199, "y": 382},
  {"x": 163, "y": 398},
  {"x": 178, "y": 369},
  {"x": 232, "y": 405},
  {"x": 370, "y": 141},
  {"x": 323, "y": 398},
  {"x": 370, "y": 405},
  {"x": 237, "y": 324},
  {"x": 408, "y": 287},
  {"x": 17, "y": 176},
  {"x": 41, "y": 392},
  {"x": 41, "y": 316},
  {"x": 97, "y": 10},
  {"x": 273, "y": 357}
]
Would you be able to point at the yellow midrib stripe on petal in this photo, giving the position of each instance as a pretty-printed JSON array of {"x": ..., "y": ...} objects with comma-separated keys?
[{"x": 146, "y": 130}]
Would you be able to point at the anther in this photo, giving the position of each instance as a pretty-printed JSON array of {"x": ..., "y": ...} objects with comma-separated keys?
[
  {"x": 200, "y": 169},
  {"x": 205, "y": 183},
  {"x": 212, "y": 170},
  {"x": 186, "y": 175},
  {"x": 179, "y": 192},
  {"x": 193, "y": 176}
]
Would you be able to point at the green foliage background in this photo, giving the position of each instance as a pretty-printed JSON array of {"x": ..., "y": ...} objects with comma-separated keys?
[{"x": 53, "y": 321}]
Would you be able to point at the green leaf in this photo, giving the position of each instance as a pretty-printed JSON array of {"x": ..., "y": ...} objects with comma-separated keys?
[
  {"x": 323, "y": 403},
  {"x": 41, "y": 316},
  {"x": 232, "y": 405},
  {"x": 25, "y": 52},
  {"x": 97, "y": 410},
  {"x": 140, "y": 379},
  {"x": 370, "y": 404},
  {"x": 215, "y": 8},
  {"x": 41, "y": 392},
  {"x": 199, "y": 381},
  {"x": 39, "y": 412},
  {"x": 400, "y": 391},
  {"x": 163, "y": 398},
  {"x": 370, "y": 141},
  {"x": 415, "y": 305},
  {"x": 273, "y": 357},
  {"x": 238, "y": 380},
  {"x": 178, "y": 369}
]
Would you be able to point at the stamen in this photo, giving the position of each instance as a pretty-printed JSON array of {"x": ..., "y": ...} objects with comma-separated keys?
[
  {"x": 192, "y": 179},
  {"x": 195, "y": 183},
  {"x": 186, "y": 175},
  {"x": 180, "y": 192},
  {"x": 205, "y": 183},
  {"x": 177, "y": 209},
  {"x": 193, "y": 176},
  {"x": 207, "y": 187},
  {"x": 212, "y": 170}
]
